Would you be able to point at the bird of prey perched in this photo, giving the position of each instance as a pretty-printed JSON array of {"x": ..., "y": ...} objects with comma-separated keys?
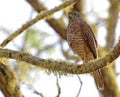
[{"x": 82, "y": 40}]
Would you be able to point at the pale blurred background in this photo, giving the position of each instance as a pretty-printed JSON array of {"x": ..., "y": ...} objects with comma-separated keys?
[{"x": 43, "y": 41}]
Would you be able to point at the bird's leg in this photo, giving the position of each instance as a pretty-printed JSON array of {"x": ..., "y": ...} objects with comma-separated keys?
[
  {"x": 84, "y": 59},
  {"x": 84, "y": 56}
]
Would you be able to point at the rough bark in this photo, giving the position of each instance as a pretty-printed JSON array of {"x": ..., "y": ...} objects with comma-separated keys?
[
  {"x": 63, "y": 66},
  {"x": 9, "y": 84}
]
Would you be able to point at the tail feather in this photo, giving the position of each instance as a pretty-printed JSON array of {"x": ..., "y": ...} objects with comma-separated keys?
[{"x": 99, "y": 79}]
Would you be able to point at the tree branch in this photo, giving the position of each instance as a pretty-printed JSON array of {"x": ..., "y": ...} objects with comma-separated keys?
[
  {"x": 36, "y": 19},
  {"x": 60, "y": 28},
  {"x": 112, "y": 23},
  {"x": 8, "y": 82},
  {"x": 63, "y": 66}
]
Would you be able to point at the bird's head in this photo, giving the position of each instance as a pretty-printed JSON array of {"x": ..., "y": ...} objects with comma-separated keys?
[{"x": 73, "y": 14}]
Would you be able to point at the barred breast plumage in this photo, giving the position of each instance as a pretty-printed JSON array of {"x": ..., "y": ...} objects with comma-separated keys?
[
  {"x": 75, "y": 39},
  {"x": 77, "y": 42}
]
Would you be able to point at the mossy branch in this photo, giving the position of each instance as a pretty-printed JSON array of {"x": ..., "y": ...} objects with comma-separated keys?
[
  {"x": 63, "y": 66},
  {"x": 8, "y": 82},
  {"x": 36, "y": 19}
]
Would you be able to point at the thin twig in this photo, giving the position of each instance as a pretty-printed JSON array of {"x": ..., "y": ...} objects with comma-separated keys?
[
  {"x": 58, "y": 87},
  {"x": 80, "y": 86},
  {"x": 33, "y": 89}
]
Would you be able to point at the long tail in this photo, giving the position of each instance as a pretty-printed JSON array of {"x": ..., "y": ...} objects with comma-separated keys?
[{"x": 99, "y": 79}]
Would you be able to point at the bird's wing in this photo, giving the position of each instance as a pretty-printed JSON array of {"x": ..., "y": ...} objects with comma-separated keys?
[{"x": 89, "y": 37}]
